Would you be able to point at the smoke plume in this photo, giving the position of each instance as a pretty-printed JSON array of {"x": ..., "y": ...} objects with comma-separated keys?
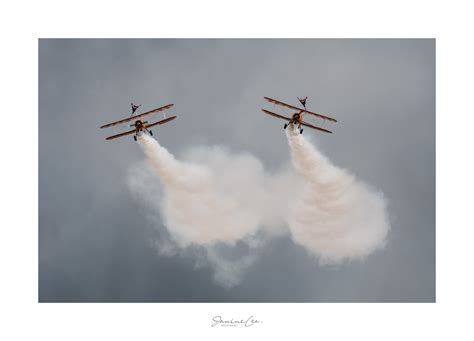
[
  {"x": 217, "y": 200},
  {"x": 335, "y": 216},
  {"x": 222, "y": 206},
  {"x": 213, "y": 197}
]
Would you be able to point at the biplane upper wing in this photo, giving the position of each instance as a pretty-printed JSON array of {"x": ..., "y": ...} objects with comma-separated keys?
[
  {"x": 283, "y": 104},
  {"x": 166, "y": 107},
  {"x": 161, "y": 122},
  {"x": 120, "y": 135},
  {"x": 276, "y": 115},
  {"x": 314, "y": 127},
  {"x": 274, "y": 101}
]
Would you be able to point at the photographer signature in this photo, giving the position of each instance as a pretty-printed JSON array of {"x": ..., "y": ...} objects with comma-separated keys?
[{"x": 219, "y": 321}]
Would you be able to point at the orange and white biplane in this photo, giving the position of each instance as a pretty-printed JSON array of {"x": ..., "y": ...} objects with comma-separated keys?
[
  {"x": 296, "y": 118},
  {"x": 138, "y": 123}
]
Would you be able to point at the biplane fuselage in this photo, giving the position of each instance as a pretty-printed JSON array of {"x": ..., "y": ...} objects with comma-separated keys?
[
  {"x": 297, "y": 118},
  {"x": 140, "y": 125}
]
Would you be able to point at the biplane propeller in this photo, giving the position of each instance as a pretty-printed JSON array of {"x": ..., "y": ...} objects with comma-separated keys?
[
  {"x": 138, "y": 123},
  {"x": 296, "y": 118}
]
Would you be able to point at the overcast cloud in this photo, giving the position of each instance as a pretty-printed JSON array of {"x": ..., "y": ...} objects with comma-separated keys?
[{"x": 98, "y": 243}]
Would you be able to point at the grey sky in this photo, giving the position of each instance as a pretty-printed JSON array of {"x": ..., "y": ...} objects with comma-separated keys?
[{"x": 95, "y": 240}]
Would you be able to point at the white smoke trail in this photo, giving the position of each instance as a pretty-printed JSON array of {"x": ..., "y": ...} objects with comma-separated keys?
[
  {"x": 222, "y": 198},
  {"x": 335, "y": 216},
  {"x": 215, "y": 200},
  {"x": 223, "y": 206}
]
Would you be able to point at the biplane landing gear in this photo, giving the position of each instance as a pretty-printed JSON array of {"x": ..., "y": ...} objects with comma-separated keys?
[
  {"x": 135, "y": 137},
  {"x": 301, "y": 131},
  {"x": 151, "y": 133},
  {"x": 286, "y": 125}
]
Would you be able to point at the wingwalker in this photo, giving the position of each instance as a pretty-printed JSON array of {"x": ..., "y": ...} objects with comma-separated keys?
[{"x": 140, "y": 125}]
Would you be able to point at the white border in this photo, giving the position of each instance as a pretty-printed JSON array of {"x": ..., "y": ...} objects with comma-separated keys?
[{"x": 22, "y": 23}]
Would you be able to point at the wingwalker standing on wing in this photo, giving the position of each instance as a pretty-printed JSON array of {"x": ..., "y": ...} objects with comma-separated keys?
[
  {"x": 297, "y": 117},
  {"x": 303, "y": 101},
  {"x": 134, "y": 108},
  {"x": 140, "y": 126}
]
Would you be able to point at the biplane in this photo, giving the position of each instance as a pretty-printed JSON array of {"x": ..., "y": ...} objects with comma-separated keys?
[
  {"x": 296, "y": 118},
  {"x": 138, "y": 123}
]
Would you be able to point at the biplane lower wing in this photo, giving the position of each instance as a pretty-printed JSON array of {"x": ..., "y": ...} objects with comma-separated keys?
[
  {"x": 286, "y": 105},
  {"x": 121, "y": 134},
  {"x": 166, "y": 107},
  {"x": 276, "y": 115},
  {"x": 161, "y": 122},
  {"x": 314, "y": 127},
  {"x": 320, "y": 116}
]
